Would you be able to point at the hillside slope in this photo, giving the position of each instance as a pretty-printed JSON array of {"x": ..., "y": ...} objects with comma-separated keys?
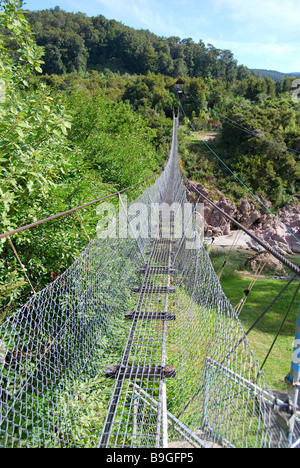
[
  {"x": 275, "y": 75},
  {"x": 75, "y": 42}
]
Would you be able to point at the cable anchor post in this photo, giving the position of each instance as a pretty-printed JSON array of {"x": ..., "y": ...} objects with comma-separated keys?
[{"x": 285, "y": 413}]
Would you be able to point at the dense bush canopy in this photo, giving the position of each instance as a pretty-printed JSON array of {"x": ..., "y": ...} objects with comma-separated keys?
[{"x": 56, "y": 151}]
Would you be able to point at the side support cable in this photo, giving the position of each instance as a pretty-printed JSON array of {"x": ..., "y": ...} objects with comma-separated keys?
[
  {"x": 281, "y": 327},
  {"x": 258, "y": 320},
  {"x": 259, "y": 241}
]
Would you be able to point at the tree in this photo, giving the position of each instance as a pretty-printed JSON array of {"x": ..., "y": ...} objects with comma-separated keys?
[
  {"x": 48, "y": 167},
  {"x": 117, "y": 142},
  {"x": 38, "y": 168}
]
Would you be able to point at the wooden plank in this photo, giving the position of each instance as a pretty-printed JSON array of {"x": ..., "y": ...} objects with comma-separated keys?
[
  {"x": 141, "y": 315},
  {"x": 154, "y": 289},
  {"x": 131, "y": 372},
  {"x": 165, "y": 241},
  {"x": 157, "y": 270}
]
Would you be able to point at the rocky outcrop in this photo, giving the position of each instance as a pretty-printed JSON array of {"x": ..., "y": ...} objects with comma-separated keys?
[
  {"x": 278, "y": 231},
  {"x": 266, "y": 259}
]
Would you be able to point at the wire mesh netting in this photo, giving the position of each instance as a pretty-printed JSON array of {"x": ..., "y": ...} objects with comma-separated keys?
[{"x": 135, "y": 345}]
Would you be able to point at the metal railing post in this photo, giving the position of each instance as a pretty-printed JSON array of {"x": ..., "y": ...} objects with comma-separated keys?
[{"x": 293, "y": 378}]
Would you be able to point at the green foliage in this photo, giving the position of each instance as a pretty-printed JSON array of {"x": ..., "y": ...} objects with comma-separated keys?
[
  {"x": 58, "y": 150},
  {"x": 216, "y": 86},
  {"x": 274, "y": 75},
  {"x": 33, "y": 151},
  {"x": 75, "y": 42},
  {"x": 265, "y": 161},
  {"x": 258, "y": 138},
  {"x": 117, "y": 143}
]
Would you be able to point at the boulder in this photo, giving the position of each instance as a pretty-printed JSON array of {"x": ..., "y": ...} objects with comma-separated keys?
[
  {"x": 266, "y": 259},
  {"x": 279, "y": 231}
]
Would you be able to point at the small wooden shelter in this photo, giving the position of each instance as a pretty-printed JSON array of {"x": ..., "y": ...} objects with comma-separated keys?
[{"x": 179, "y": 85}]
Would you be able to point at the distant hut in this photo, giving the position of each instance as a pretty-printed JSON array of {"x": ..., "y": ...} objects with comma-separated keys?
[
  {"x": 216, "y": 125},
  {"x": 179, "y": 85}
]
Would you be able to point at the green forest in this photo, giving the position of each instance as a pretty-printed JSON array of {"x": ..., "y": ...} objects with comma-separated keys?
[
  {"x": 139, "y": 68},
  {"x": 275, "y": 75},
  {"x": 77, "y": 43},
  {"x": 86, "y": 109}
]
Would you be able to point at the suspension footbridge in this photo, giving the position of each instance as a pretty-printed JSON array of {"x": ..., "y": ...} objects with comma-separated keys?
[{"x": 136, "y": 345}]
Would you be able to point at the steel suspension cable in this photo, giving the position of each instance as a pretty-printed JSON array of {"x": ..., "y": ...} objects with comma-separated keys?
[
  {"x": 259, "y": 241},
  {"x": 65, "y": 213},
  {"x": 271, "y": 304},
  {"x": 281, "y": 327}
]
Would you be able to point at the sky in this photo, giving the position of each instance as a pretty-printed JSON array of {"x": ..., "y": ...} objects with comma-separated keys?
[{"x": 261, "y": 33}]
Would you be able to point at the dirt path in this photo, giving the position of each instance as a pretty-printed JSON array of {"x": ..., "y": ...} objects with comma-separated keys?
[{"x": 204, "y": 136}]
